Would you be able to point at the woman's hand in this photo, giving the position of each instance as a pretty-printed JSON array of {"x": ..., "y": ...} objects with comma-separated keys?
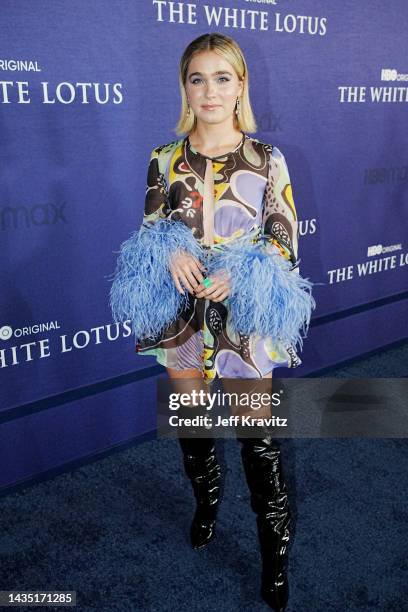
[
  {"x": 186, "y": 269},
  {"x": 219, "y": 290}
]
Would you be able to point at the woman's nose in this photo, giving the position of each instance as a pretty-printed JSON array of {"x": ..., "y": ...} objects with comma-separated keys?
[{"x": 210, "y": 91}]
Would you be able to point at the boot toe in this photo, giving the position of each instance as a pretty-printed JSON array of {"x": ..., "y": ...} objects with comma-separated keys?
[
  {"x": 202, "y": 533},
  {"x": 276, "y": 594}
]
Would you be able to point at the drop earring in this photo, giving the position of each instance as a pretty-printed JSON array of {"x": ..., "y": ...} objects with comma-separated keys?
[{"x": 238, "y": 108}]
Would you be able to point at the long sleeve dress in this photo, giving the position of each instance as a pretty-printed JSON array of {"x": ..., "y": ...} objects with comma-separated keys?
[{"x": 244, "y": 192}]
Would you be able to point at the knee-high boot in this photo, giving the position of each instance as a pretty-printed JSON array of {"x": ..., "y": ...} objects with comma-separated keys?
[
  {"x": 263, "y": 470},
  {"x": 202, "y": 468}
]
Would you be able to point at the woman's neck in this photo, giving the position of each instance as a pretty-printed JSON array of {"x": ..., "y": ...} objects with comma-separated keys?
[{"x": 214, "y": 142}]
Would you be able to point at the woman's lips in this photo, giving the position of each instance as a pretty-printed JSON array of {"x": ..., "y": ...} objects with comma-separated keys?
[{"x": 210, "y": 106}]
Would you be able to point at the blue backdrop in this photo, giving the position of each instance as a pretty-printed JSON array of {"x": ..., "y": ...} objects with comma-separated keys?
[{"x": 86, "y": 91}]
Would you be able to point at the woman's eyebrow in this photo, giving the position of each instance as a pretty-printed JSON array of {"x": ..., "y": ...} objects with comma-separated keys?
[{"x": 218, "y": 72}]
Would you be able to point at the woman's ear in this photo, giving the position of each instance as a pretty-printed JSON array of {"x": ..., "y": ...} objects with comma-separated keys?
[{"x": 242, "y": 80}]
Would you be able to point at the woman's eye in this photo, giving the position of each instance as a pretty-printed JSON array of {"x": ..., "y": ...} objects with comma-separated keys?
[{"x": 198, "y": 80}]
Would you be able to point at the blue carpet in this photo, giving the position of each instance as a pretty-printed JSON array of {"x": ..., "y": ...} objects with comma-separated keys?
[{"x": 116, "y": 530}]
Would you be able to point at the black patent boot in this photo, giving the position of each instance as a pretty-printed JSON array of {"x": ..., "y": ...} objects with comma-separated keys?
[
  {"x": 204, "y": 472},
  {"x": 262, "y": 464}
]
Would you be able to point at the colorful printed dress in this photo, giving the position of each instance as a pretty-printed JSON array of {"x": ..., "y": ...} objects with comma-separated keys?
[{"x": 245, "y": 191}]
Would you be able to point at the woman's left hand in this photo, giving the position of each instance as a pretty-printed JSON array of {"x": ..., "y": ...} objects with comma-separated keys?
[{"x": 219, "y": 290}]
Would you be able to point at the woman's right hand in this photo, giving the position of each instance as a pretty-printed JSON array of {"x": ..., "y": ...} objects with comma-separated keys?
[{"x": 186, "y": 269}]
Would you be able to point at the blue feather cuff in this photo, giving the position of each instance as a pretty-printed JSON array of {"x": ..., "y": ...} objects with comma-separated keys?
[
  {"x": 143, "y": 290},
  {"x": 265, "y": 297}
]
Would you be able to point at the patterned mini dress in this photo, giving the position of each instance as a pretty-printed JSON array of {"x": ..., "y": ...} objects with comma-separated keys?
[{"x": 246, "y": 191}]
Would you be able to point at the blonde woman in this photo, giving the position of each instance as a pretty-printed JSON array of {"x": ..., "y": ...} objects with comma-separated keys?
[{"x": 205, "y": 280}]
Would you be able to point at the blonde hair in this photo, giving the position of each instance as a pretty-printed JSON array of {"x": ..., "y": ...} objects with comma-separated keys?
[{"x": 227, "y": 48}]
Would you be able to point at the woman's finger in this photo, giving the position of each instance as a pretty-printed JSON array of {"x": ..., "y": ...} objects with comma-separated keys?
[
  {"x": 202, "y": 290},
  {"x": 217, "y": 295},
  {"x": 196, "y": 271},
  {"x": 220, "y": 297},
  {"x": 207, "y": 292},
  {"x": 185, "y": 281},
  {"x": 191, "y": 279},
  {"x": 176, "y": 282},
  {"x": 198, "y": 262}
]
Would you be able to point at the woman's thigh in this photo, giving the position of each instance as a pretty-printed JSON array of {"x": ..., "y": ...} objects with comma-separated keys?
[
  {"x": 245, "y": 388},
  {"x": 193, "y": 373},
  {"x": 187, "y": 381},
  {"x": 189, "y": 373}
]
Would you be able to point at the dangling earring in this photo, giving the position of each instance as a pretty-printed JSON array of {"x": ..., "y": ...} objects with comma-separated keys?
[{"x": 238, "y": 108}]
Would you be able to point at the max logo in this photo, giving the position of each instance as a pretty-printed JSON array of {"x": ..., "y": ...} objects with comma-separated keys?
[{"x": 15, "y": 217}]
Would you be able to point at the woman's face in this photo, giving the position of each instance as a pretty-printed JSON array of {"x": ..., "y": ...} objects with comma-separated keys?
[{"x": 212, "y": 96}]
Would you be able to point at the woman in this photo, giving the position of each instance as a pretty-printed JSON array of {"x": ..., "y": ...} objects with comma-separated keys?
[{"x": 224, "y": 192}]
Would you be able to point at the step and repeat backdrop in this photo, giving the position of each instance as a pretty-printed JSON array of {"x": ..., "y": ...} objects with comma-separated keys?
[{"x": 87, "y": 89}]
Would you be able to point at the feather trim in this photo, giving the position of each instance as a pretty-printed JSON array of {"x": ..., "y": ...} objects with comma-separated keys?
[
  {"x": 266, "y": 298},
  {"x": 143, "y": 290}
]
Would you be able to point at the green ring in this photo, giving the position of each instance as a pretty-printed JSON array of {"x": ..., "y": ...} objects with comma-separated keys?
[{"x": 207, "y": 282}]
